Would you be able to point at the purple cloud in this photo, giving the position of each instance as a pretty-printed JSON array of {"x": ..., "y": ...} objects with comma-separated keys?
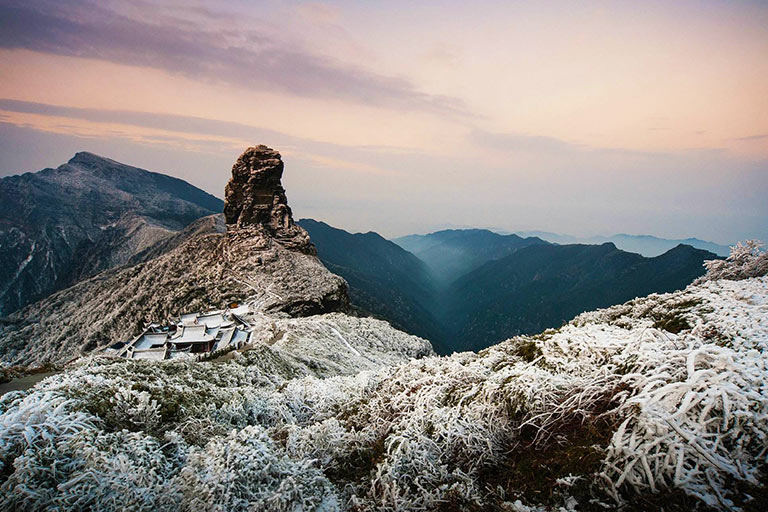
[{"x": 207, "y": 51}]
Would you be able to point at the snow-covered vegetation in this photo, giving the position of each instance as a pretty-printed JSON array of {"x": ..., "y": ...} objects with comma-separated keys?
[
  {"x": 746, "y": 260},
  {"x": 663, "y": 399}
]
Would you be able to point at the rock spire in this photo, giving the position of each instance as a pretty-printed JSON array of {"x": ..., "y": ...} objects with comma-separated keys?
[{"x": 255, "y": 197}]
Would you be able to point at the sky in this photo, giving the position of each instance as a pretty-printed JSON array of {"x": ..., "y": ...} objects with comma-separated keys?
[{"x": 401, "y": 117}]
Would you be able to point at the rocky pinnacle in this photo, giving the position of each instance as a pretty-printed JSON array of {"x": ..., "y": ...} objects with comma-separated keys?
[{"x": 255, "y": 197}]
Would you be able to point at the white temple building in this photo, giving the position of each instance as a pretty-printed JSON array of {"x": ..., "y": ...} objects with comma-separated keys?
[{"x": 195, "y": 335}]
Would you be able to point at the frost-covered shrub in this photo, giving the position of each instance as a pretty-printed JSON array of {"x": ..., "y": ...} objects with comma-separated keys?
[
  {"x": 135, "y": 409},
  {"x": 610, "y": 408},
  {"x": 696, "y": 421},
  {"x": 246, "y": 471},
  {"x": 746, "y": 260},
  {"x": 62, "y": 460},
  {"x": 327, "y": 441}
]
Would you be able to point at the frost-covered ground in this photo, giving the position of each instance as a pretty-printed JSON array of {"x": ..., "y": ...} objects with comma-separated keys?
[
  {"x": 334, "y": 344},
  {"x": 660, "y": 401}
]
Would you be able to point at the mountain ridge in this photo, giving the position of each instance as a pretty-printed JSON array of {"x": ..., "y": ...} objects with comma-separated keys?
[
  {"x": 551, "y": 287},
  {"x": 647, "y": 245},
  {"x": 451, "y": 253},
  {"x": 60, "y": 225},
  {"x": 385, "y": 279}
]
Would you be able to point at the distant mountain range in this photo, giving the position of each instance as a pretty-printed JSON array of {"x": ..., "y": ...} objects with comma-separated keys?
[
  {"x": 544, "y": 286},
  {"x": 463, "y": 289},
  {"x": 451, "y": 253},
  {"x": 486, "y": 287},
  {"x": 59, "y": 226},
  {"x": 646, "y": 245}
]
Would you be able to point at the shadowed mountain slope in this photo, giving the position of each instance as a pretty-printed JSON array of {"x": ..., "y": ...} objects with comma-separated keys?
[
  {"x": 543, "y": 286},
  {"x": 384, "y": 279},
  {"x": 452, "y": 253}
]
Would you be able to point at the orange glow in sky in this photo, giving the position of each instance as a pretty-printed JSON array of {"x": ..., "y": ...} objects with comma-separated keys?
[{"x": 417, "y": 100}]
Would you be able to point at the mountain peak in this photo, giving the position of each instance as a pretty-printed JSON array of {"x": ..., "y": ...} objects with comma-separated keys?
[
  {"x": 255, "y": 197},
  {"x": 254, "y": 194},
  {"x": 84, "y": 157},
  {"x": 687, "y": 251},
  {"x": 92, "y": 213}
]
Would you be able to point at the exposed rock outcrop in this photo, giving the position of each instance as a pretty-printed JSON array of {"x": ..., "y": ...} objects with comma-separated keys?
[{"x": 255, "y": 197}]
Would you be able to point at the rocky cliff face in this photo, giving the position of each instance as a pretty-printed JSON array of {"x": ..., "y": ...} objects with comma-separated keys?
[
  {"x": 264, "y": 260},
  {"x": 255, "y": 197},
  {"x": 59, "y": 226}
]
